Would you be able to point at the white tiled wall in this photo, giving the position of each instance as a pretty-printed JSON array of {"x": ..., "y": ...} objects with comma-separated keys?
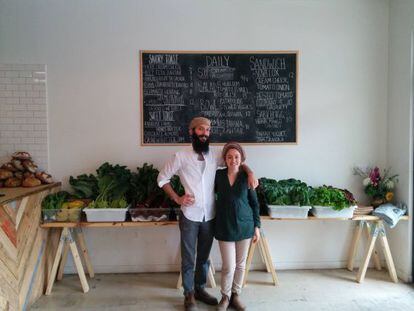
[{"x": 23, "y": 112}]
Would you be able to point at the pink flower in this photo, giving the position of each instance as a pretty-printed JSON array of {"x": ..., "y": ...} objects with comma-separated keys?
[{"x": 375, "y": 177}]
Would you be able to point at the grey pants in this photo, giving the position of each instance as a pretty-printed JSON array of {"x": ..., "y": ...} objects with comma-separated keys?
[{"x": 196, "y": 238}]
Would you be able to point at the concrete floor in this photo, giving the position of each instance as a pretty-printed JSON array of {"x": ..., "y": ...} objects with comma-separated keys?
[{"x": 298, "y": 290}]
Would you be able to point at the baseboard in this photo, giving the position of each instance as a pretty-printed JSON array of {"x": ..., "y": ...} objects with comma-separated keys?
[{"x": 255, "y": 266}]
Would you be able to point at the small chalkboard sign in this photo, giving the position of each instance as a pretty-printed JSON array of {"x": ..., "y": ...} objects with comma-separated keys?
[{"x": 250, "y": 97}]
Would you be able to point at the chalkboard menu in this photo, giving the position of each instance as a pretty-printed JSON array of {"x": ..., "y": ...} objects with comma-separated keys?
[{"x": 250, "y": 97}]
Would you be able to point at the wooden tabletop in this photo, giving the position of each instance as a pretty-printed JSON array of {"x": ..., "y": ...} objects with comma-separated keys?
[
  {"x": 12, "y": 194},
  {"x": 169, "y": 223}
]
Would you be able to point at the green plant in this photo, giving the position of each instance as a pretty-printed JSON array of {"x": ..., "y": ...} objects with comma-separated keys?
[
  {"x": 285, "y": 192},
  {"x": 55, "y": 200},
  {"x": 144, "y": 184},
  {"x": 85, "y": 186},
  {"x": 113, "y": 185},
  {"x": 336, "y": 198}
]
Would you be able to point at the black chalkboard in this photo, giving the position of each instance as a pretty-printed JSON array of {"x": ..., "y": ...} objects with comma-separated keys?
[{"x": 250, "y": 97}]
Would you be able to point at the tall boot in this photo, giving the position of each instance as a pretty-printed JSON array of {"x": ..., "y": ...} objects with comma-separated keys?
[
  {"x": 224, "y": 303},
  {"x": 236, "y": 303}
]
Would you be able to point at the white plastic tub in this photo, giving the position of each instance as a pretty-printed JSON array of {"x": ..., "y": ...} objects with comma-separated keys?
[
  {"x": 105, "y": 214},
  {"x": 288, "y": 211},
  {"x": 329, "y": 212}
]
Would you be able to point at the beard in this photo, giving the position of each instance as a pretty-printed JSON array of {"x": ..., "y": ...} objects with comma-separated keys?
[{"x": 198, "y": 145}]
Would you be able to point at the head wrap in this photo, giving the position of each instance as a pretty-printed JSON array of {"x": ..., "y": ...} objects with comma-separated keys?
[
  {"x": 233, "y": 145},
  {"x": 197, "y": 121}
]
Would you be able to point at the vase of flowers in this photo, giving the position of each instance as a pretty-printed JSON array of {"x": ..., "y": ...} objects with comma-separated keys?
[{"x": 379, "y": 187}]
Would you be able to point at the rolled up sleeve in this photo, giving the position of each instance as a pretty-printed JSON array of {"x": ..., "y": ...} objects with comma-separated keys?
[{"x": 168, "y": 171}]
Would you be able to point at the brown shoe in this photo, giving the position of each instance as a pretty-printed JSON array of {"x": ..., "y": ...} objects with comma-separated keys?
[
  {"x": 202, "y": 295},
  {"x": 236, "y": 303},
  {"x": 224, "y": 303},
  {"x": 190, "y": 303}
]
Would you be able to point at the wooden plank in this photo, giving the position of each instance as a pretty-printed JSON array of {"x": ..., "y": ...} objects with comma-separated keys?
[
  {"x": 387, "y": 254},
  {"x": 9, "y": 211},
  {"x": 63, "y": 261},
  {"x": 363, "y": 268},
  {"x": 12, "y": 194},
  {"x": 28, "y": 253},
  {"x": 263, "y": 255},
  {"x": 9, "y": 296},
  {"x": 8, "y": 262},
  {"x": 78, "y": 263},
  {"x": 354, "y": 245},
  {"x": 28, "y": 226},
  {"x": 38, "y": 285},
  {"x": 377, "y": 262},
  {"x": 211, "y": 279},
  {"x": 30, "y": 268},
  {"x": 84, "y": 252},
  {"x": 269, "y": 260},
  {"x": 169, "y": 223},
  {"x": 10, "y": 278},
  {"x": 30, "y": 233},
  {"x": 249, "y": 261},
  {"x": 7, "y": 225},
  {"x": 21, "y": 209},
  {"x": 53, "y": 239},
  {"x": 52, "y": 276},
  {"x": 8, "y": 246}
]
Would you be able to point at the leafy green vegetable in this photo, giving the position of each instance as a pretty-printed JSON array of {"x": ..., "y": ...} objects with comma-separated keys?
[
  {"x": 85, "y": 186},
  {"x": 285, "y": 192},
  {"x": 338, "y": 199},
  {"x": 144, "y": 184},
  {"x": 113, "y": 183},
  {"x": 55, "y": 200}
]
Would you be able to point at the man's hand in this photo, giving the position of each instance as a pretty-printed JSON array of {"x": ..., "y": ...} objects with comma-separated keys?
[
  {"x": 185, "y": 200},
  {"x": 252, "y": 181},
  {"x": 256, "y": 236}
]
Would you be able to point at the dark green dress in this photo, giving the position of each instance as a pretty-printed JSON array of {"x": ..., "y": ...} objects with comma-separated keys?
[{"x": 237, "y": 208}]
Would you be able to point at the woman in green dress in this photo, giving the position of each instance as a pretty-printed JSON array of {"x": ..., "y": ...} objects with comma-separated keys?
[{"x": 237, "y": 223}]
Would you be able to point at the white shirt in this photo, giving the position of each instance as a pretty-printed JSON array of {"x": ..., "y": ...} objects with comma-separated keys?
[{"x": 197, "y": 179}]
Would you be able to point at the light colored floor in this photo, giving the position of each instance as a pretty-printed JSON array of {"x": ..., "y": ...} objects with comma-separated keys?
[{"x": 309, "y": 290}]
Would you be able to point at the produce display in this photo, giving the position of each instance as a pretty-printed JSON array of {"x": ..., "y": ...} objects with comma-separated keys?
[
  {"x": 21, "y": 171},
  {"x": 336, "y": 198},
  {"x": 286, "y": 192},
  {"x": 115, "y": 187},
  {"x": 293, "y": 192},
  {"x": 62, "y": 206}
]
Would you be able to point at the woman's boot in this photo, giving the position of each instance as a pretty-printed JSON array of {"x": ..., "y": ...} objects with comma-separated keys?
[
  {"x": 236, "y": 303},
  {"x": 224, "y": 303}
]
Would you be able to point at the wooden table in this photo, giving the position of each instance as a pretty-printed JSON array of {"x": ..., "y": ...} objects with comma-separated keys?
[
  {"x": 70, "y": 232},
  {"x": 373, "y": 227}
]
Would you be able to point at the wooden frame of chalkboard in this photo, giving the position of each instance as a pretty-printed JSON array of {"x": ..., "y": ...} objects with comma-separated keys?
[{"x": 250, "y": 96}]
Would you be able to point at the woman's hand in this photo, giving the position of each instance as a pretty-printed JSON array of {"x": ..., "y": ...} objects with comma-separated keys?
[{"x": 256, "y": 236}]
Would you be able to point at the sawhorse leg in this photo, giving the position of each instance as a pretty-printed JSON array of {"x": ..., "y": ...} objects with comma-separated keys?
[
  {"x": 210, "y": 275},
  {"x": 64, "y": 240},
  {"x": 361, "y": 226},
  {"x": 84, "y": 252},
  {"x": 377, "y": 229},
  {"x": 267, "y": 258}
]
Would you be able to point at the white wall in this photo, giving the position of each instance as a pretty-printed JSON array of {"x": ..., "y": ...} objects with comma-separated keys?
[
  {"x": 400, "y": 139},
  {"x": 91, "y": 50}
]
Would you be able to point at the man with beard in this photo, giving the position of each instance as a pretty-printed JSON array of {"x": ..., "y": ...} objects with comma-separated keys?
[{"x": 196, "y": 166}]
